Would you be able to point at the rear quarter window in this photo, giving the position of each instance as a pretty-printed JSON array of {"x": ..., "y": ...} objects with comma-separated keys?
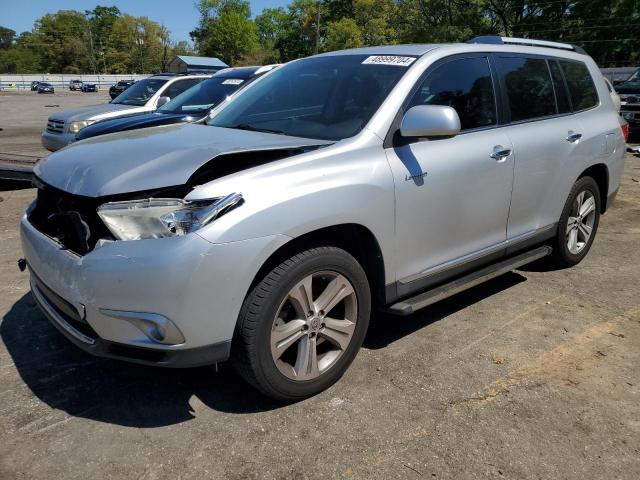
[{"x": 582, "y": 91}]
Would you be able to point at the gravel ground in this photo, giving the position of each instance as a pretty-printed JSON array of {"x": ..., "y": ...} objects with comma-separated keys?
[{"x": 534, "y": 375}]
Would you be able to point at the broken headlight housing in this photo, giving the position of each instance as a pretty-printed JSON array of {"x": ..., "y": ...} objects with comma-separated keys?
[{"x": 163, "y": 217}]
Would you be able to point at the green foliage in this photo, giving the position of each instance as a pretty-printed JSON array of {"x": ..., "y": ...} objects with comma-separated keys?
[
  {"x": 226, "y": 30},
  {"x": 98, "y": 40},
  {"x": 7, "y": 37},
  {"x": 106, "y": 40}
]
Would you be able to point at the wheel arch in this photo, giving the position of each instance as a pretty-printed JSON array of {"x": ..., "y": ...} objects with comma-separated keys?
[
  {"x": 354, "y": 238},
  {"x": 600, "y": 173}
]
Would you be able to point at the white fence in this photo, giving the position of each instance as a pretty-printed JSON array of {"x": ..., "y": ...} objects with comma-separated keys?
[{"x": 61, "y": 81}]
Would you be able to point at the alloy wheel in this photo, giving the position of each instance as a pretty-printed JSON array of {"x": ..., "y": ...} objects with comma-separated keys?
[
  {"x": 580, "y": 222},
  {"x": 314, "y": 325}
]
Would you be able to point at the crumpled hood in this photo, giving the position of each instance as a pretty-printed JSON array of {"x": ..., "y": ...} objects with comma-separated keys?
[
  {"x": 150, "y": 158},
  {"x": 91, "y": 111}
]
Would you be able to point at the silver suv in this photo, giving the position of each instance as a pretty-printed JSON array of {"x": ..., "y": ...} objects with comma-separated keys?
[
  {"x": 142, "y": 97},
  {"x": 387, "y": 177}
]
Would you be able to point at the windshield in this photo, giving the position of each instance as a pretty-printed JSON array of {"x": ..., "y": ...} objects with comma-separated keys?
[
  {"x": 327, "y": 97},
  {"x": 635, "y": 78},
  {"x": 140, "y": 92},
  {"x": 201, "y": 97}
]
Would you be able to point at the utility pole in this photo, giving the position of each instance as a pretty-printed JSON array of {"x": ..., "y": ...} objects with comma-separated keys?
[{"x": 317, "y": 26}]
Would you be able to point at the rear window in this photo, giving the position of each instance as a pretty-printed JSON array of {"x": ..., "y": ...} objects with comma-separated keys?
[
  {"x": 529, "y": 87},
  {"x": 581, "y": 88}
]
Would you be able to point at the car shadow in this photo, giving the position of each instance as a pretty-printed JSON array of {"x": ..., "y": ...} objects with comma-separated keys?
[
  {"x": 386, "y": 328},
  {"x": 68, "y": 379}
]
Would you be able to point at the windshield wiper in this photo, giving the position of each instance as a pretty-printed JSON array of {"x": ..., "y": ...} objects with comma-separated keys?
[{"x": 246, "y": 126}]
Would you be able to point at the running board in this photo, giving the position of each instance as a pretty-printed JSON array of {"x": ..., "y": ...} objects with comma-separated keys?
[{"x": 410, "y": 305}]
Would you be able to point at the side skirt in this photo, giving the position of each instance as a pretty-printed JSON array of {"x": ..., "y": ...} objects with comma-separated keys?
[{"x": 410, "y": 305}]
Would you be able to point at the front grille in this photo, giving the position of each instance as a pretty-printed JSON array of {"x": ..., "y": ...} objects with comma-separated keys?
[
  {"x": 55, "y": 126},
  {"x": 71, "y": 219}
]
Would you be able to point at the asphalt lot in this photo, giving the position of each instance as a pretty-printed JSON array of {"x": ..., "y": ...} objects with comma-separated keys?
[
  {"x": 534, "y": 375},
  {"x": 24, "y": 117}
]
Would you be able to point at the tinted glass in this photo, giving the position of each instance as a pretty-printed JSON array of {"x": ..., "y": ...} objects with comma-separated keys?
[
  {"x": 529, "y": 87},
  {"x": 140, "y": 92},
  {"x": 562, "y": 97},
  {"x": 179, "y": 86},
  {"x": 581, "y": 88},
  {"x": 203, "y": 96},
  {"x": 466, "y": 86},
  {"x": 327, "y": 97}
]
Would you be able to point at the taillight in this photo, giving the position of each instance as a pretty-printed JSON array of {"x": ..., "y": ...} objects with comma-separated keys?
[{"x": 625, "y": 131}]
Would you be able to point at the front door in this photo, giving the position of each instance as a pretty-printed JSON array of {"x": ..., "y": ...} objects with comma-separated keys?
[{"x": 453, "y": 194}]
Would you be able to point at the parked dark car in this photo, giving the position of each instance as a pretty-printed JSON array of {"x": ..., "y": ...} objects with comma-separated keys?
[
  {"x": 191, "y": 106},
  {"x": 89, "y": 87},
  {"x": 44, "y": 87},
  {"x": 34, "y": 85},
  {"x": 119, "y": 87},
  {"x": 629, "y": 92}
]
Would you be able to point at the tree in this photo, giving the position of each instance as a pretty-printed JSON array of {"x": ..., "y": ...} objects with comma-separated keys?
[
  {"x": 226, "y": 30},
  {"x": 345, "y": 33},
  {"x": 7, "y": 37}
]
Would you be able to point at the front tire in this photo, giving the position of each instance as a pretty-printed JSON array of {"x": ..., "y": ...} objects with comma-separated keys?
[
  {"x": 302, "y": 324},
  {"x": 578, "y": 223}
]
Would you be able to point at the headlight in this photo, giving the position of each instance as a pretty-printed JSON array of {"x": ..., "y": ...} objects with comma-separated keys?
[
  {"x": 163, "y": 217},
  {"x": 75, "y": 127}
]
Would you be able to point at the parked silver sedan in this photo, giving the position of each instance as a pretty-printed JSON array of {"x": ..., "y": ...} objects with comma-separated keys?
[{"x": 386, "y": 177}]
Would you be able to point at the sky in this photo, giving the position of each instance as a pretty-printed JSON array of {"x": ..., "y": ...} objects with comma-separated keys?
[{"x": 179, "y": 16}]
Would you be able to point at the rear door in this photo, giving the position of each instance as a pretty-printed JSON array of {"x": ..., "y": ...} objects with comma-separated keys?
[
  {"x": 452, "y": 196},
  {"x": 546, "y": 137}
]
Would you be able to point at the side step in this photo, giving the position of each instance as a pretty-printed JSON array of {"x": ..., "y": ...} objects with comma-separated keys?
[{"x": 410, "y": 305}]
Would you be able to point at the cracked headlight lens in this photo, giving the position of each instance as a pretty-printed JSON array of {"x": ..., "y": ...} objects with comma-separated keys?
[
  {"x": 163, "y": 217},
  {"x": 75, "y": 127}
]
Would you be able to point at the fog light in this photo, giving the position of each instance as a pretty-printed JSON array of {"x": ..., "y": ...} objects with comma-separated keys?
[{"x": 157, "y": 328}]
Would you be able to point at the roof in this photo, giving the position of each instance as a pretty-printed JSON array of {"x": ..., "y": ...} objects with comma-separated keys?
[
  {"x": 409, "y": 49},
  {"x": 244, "y": 72},
  {"x": 202, "y": 61}
]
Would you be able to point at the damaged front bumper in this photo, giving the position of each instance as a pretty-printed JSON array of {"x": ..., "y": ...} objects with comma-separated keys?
[{"x": 169, "y": 302}]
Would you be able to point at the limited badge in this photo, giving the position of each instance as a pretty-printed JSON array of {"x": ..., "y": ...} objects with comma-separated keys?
[
  {"x": 389, "y": 60},
  {"x": 232, "y": 81}
]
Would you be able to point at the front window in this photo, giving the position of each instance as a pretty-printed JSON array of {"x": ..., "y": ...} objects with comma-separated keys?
[
  {"x": 140, "y": 92},
  {"x": 200, "y": 99},
  {"x": 634, "y": 78},
  {"x": 328, "y": 97},
  {"x": 465, "y": 85}
]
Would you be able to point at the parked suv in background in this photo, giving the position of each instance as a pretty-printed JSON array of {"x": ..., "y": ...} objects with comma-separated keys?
[
  {"x": 191, "y": 106},
  {"x": 118, "y": 88},
  {"x": 388, "y": 176},
  {"x": 75, "y": 85},
  {"x": 629, "y": 92},
  {"x": 144, "y": 96}
]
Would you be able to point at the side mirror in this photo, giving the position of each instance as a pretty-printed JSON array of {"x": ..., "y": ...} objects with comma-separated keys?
[
  {"x": 162, "y": 100},
  {"x": 428, "y": 121}
]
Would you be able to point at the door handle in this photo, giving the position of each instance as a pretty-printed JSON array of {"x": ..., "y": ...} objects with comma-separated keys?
[
  {"x": 500, "y": 153},
  {"x": 573, "y": 136}
]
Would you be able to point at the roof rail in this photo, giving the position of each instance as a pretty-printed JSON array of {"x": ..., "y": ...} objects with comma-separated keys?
[{"x": 497, "y": 40}]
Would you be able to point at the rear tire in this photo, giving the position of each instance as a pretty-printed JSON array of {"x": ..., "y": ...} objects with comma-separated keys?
[
  {"x": 302, "y": 324},
  {"x": 578, "y": 224}
]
